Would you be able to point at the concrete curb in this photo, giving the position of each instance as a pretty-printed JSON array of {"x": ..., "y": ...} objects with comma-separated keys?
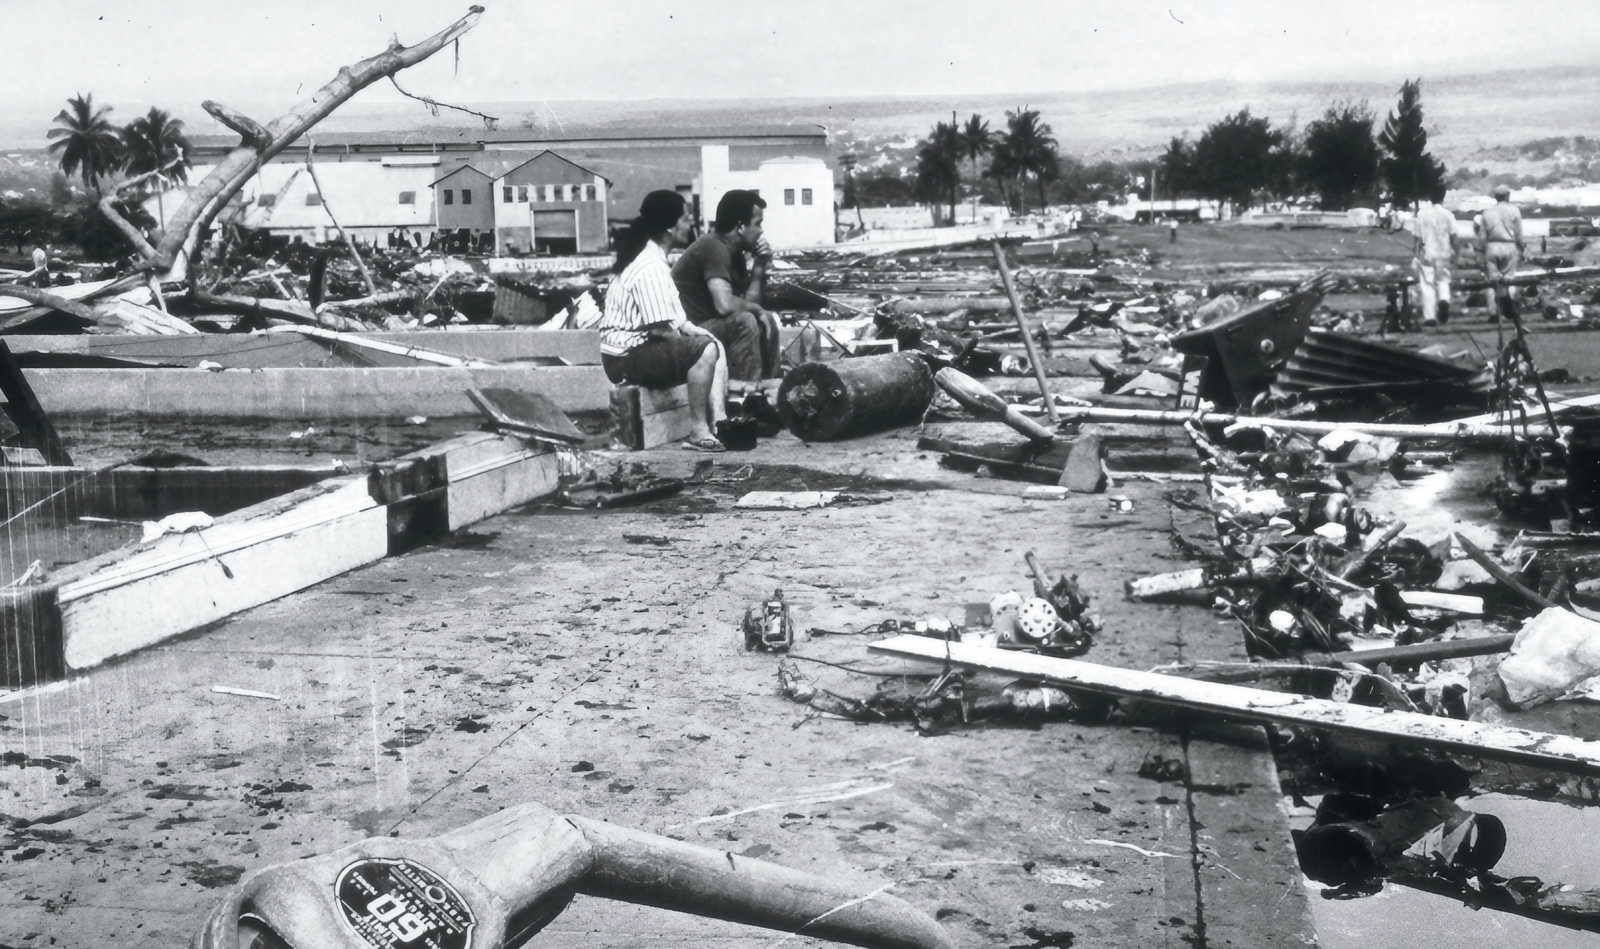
[{"x": 145, "y": 593}]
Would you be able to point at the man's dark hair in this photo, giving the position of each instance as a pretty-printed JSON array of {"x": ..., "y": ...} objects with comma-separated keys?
[{"x": 736, "y": 209}]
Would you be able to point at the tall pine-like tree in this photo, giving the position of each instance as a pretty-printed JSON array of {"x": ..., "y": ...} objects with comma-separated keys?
[{"x": 1408, "y": 170}]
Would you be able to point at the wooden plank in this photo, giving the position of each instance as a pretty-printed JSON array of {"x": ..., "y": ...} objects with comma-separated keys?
[
  {"x": 526, "y": 412},
  {"x": 489, "y": 473},
  {"x": 141, "y": 595},
  {"x": 376, "y": 392},
  {"x": 1497, "y": 742}
]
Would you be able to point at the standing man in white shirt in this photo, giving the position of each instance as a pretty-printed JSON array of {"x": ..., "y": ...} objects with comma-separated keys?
[{"x": 1435, "y": 249}]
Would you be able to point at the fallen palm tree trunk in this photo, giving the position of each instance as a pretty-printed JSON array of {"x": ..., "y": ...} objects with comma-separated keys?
[
  {"x": 1236, "y": 703},
  {"x": 45, "y": 298}
]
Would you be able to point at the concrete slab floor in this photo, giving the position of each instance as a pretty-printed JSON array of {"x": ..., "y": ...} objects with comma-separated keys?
[{"x": 543, "y": 656}]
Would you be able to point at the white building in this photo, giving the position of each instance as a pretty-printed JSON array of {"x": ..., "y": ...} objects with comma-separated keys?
[
  {"x": 369, "y": 199},
  {"x": 798, "y": 192}
]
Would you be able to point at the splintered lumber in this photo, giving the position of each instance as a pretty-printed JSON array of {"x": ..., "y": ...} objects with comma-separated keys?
[
  {"x": 1201, "y": 578},
  {"x": 1462, "y": 429},
  {"x": 1027, "y": 337},
  {"x": 976, "y": 398},
  {"x": 1560, "y": 753},
  {"x": 1500, "y": 573},
  {"x": 375, "y": 300},
  {"x": 291, "y": 310}
]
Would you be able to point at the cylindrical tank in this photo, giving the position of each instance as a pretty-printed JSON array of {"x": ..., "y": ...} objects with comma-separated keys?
[{"x": 822, "y": 402}]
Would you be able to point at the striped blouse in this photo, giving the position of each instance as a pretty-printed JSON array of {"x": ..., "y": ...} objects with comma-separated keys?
[{"x": 641, "y": 295}]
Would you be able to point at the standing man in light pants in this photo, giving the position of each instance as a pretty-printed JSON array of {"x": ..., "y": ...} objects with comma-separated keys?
[
  {"x": 1435, "y": 249},
  {"x": 1501, "y": 248}
]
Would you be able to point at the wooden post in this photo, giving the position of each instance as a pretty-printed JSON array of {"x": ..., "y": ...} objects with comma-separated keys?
[
  {"x": 1027, "y": 339},
  {"x": 1561, "y": 753}
]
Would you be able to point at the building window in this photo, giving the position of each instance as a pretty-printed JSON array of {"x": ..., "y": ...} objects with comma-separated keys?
[
  {"x": 267, "y": 200},
  {"x": 449, "y": 196},
  {"x": 313, "y": 200},
  {"x": 788, "y": 195},
  {"x": 805, "y": 195},
  {"x": 408, "y": 197},
  {"x": 505, "y": 194},
  {"x": 522, "y": 194},
  {"x": 466, "y": 195}
]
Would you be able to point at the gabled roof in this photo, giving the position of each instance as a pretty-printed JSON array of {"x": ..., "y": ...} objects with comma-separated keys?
[{"x": 495, "y": 169}]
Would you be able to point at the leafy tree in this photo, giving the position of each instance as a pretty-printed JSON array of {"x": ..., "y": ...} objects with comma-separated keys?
[
  {"x": 155, "y": 140},
  {"x": 1175, "y": 168},
  {"x": 1408, "y": 169},
  {"x": 86, "y": 140},
  {"x": 939, "y": 166},
  {"x": 1027, "y": 147},
  {"x": 884, "y": 189},
  {"x": 1237, "y": 157},
  {"x": 99, "y": 238},
  {"x": 25, "y": 221},
  {"x": 1340, "y": 162},
  {"x": 1077, "y": 183}
]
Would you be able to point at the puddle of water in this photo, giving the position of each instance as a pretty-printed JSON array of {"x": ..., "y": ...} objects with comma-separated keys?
[{"x": 1551, "y": 841}]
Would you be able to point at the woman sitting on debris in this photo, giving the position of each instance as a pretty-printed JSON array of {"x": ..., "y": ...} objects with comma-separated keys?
[{"x": 645, "y": 338}]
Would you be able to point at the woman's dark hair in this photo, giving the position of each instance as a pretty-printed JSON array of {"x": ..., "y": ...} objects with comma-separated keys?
[{"x": 658, "y": 213}]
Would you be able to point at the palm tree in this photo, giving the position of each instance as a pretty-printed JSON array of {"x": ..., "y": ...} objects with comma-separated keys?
[
  {"x": 155, "y": 140},
  {"x": 939, "y": 166},
  {"x": 88, "y": 142},
  {"x": 976, "y": 141},
  {"x": 1030, "y": 146}
]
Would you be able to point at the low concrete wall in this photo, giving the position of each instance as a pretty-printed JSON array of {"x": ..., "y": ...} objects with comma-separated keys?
[
  {"x": 577, "y": 347},
  {"x": 305, "y": 393}
]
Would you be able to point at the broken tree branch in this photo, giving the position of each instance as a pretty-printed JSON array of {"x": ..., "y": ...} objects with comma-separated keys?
[
  {"x": 216, "y": 189},
  {"x": 489, "y": 121},
  {"x": 361, "y": 265},
  {"x": 41, "y": 298},
  {"x": 254, "y": 134}
]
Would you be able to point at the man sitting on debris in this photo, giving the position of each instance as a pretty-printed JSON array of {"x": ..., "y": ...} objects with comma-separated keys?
[
  {"x": 722, "y": 294},
  {"x": 1435, "y": 249},
  {"x": 1500, "y": 247},
  {"x": 645, "y": 338}
]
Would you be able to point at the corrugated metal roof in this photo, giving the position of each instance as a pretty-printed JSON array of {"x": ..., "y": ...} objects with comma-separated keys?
[{"x": 570, "y": 133}]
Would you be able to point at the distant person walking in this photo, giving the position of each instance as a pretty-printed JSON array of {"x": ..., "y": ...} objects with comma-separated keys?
[
  {"x": 41, "y": 268},
  {"x": 1435, "y": 249},
  {"x": 1500, "y": 248}
]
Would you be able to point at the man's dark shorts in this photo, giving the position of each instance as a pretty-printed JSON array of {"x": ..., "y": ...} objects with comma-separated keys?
[{"x": 660, "y": 362}]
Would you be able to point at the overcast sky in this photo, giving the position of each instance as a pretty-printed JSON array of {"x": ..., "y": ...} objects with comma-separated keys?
[{"x": 173, "y": 53}]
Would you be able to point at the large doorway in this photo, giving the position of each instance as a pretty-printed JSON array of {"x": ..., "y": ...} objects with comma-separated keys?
[{"x": 555, "y": 232}]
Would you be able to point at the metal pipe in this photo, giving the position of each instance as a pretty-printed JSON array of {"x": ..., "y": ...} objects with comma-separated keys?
[{"x": 1027, "y": 340}]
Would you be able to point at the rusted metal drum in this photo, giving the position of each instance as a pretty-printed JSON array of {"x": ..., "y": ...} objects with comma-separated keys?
[{"x": 821, "y": 402}]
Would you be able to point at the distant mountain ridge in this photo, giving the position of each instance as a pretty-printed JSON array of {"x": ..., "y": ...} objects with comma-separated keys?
[{"x": 1468, "y": 116}]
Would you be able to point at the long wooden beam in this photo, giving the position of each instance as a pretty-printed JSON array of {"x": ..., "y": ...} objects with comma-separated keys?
[
  {"x": 1561, "y": 753},
  {"x": 1467, "y": 429}
]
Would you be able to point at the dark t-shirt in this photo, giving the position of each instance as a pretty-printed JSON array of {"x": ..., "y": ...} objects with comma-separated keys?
[{"x": 706, "y": 259}]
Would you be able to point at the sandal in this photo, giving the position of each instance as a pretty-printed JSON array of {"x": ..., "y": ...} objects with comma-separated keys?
[{"x": 704, "y": 444}]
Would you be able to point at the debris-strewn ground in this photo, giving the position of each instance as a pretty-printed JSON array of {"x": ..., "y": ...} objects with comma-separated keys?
[{"x": 545, "y": 656}]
